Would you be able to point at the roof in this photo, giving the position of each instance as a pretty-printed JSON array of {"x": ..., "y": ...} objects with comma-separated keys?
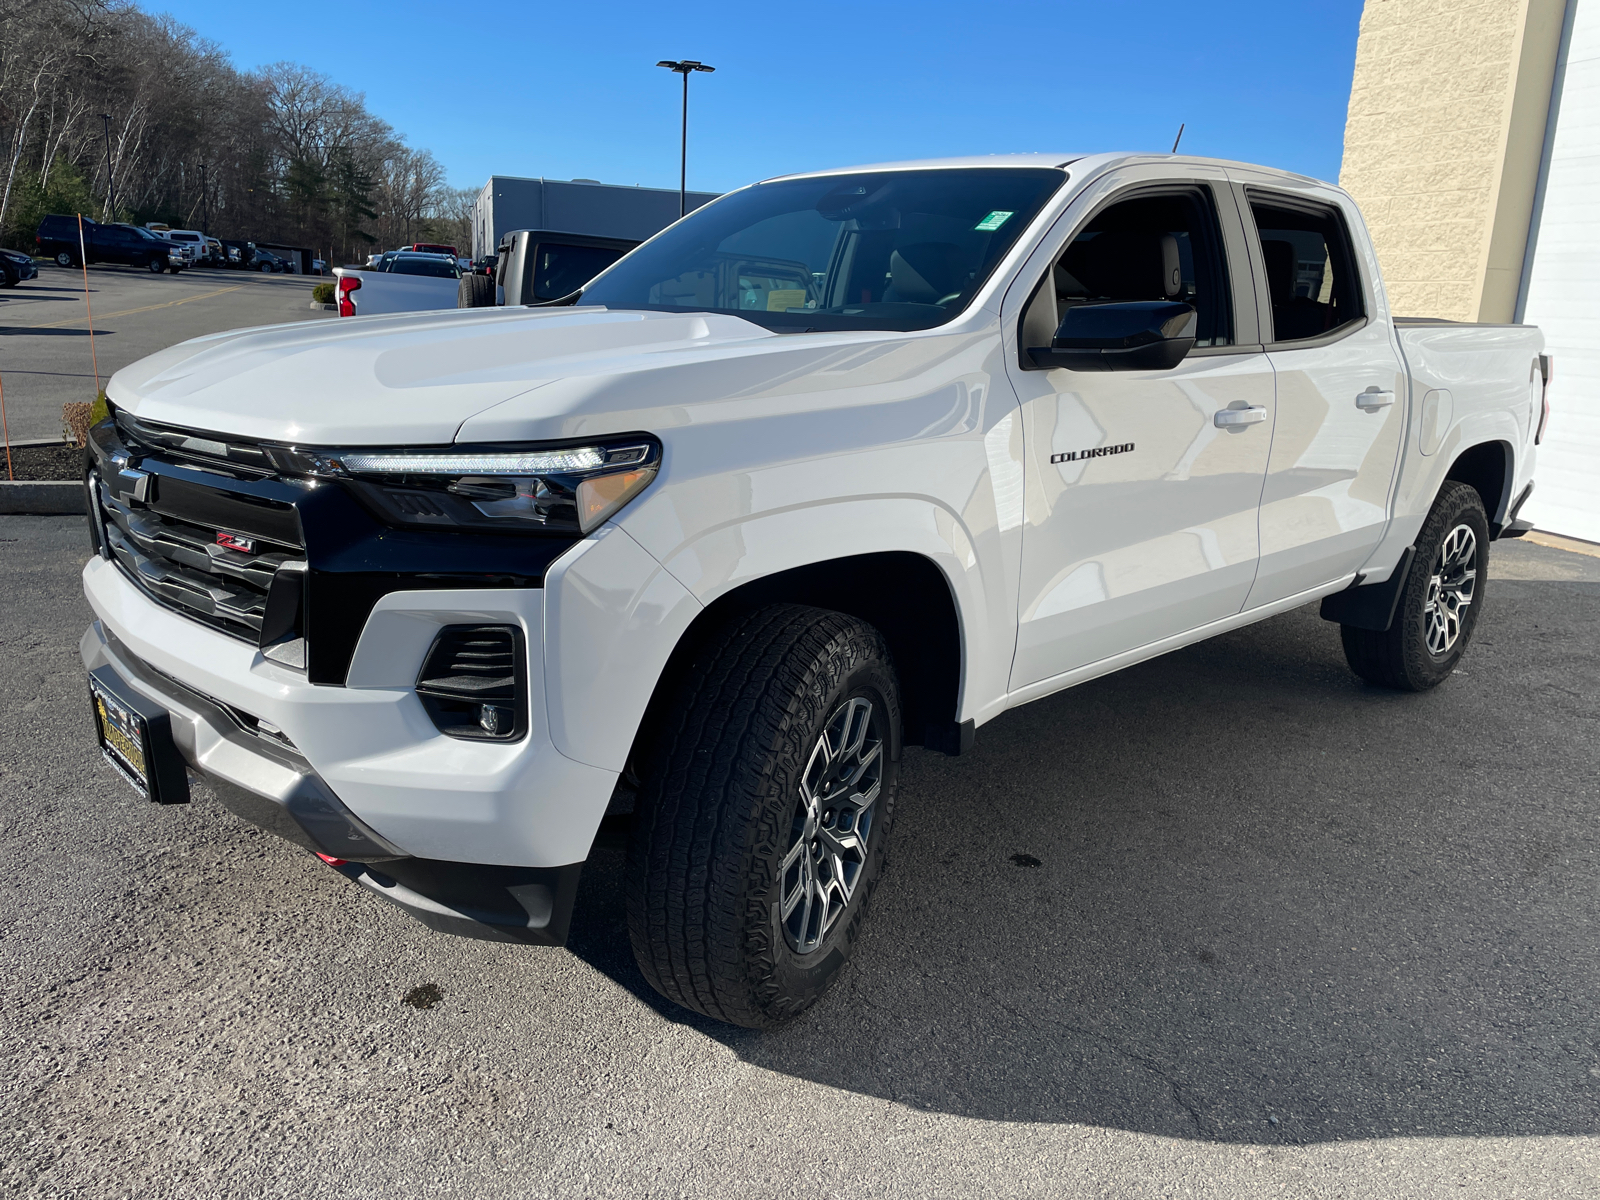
[{"x": 1092, "y": 161}]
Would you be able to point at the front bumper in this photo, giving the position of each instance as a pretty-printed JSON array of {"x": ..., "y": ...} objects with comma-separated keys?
[
  {"x": 252, "y": 774},
  {"x": 370, "y": 743},
  {"x": 269, "y": 784}
]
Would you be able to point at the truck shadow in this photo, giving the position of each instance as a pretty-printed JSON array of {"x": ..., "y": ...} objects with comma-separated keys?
[{"x": 1234, "y": 895}]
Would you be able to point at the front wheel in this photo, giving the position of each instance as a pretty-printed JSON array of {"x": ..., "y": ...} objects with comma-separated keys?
[
  {"x": 156, "y": 266},
  {"x": 1439, "y": 607},
  {"x": 266, "y": 268},
  {"x": 764, "y": 814}
]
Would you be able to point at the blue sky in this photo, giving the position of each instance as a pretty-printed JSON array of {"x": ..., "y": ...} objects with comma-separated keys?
[{"x": 531, "y": 88}]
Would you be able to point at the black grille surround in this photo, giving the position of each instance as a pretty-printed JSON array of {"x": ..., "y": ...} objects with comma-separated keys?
[{"x": 318, "y": 559}]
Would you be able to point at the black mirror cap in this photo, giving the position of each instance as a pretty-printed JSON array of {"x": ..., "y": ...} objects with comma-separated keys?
[{"x": 1139, "y": 335}]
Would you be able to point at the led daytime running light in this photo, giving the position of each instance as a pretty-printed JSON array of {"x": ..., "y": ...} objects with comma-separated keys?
[{"x": 584, "y": 458}]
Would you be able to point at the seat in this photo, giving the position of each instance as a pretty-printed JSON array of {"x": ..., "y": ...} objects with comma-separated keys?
[
  {"x": 1293, "y": 316},
  {"x": 926, "y": 273}
]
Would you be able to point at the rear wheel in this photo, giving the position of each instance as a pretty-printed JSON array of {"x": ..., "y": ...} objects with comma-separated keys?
[
  {"x": 63, "y": 259},
  {"x": 1439, "y": 607},
  {"x": 764, "y": 815},
  {"x": 475, "y": 291}
]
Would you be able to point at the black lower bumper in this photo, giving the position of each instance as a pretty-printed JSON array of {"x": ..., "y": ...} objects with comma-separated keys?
[{"x": 497, "y": 904}]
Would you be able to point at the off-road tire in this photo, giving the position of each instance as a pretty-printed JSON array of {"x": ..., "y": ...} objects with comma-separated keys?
[
  {"x": 716, "y": 812},
  {"x": 475, "y": 291},
  {"x": 1400, "y": 657}
]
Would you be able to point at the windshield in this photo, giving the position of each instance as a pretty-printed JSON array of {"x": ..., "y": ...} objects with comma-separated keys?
[
  {"x": 875, "y": 250},
  {"x": 438, "y": 268}
]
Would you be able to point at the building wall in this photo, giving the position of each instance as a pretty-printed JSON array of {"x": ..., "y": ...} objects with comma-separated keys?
[
  {"x": 1561, "y": 297},
  {"x": 1442, "y": 146},
  {"x": 509, "y": 203}
]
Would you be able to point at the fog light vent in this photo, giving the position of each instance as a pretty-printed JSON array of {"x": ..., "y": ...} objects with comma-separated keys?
[{"x": 474, "y": 682}]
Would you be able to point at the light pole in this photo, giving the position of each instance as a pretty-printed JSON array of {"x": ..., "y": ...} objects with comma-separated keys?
[
  {"x": 111, "y": 183},
  {"x": 684, "y": 68}
]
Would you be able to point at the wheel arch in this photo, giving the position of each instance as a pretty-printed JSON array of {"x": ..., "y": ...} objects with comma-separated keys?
[
  {"x": 1488, "y": 468},
  {"x": 903, "y": 594}
]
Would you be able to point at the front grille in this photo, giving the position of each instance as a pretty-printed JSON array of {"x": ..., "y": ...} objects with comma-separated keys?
[
  {"x": 214, "y": 452},
  {"x": 178, "y": 560}
]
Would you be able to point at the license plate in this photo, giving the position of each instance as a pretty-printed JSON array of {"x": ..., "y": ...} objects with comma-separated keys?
[{"x": 124, "y": 737}]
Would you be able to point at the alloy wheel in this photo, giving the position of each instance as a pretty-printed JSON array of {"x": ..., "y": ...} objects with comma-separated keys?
[
  {"x": 832, "y": 827},
  {"x": 1451, "y": 587}
]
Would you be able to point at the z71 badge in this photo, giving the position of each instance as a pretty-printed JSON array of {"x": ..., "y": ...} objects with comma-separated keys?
[
  {"x": 236, "y": 541},
  {"x": 1091, "y": 452}
]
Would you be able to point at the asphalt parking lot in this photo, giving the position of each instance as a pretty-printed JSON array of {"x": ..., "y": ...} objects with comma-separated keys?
[
  {"x": 1228, "y": 924},
  {"x": 45, "y": 360}
]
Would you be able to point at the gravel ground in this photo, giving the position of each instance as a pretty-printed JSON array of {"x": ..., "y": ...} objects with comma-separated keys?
[
  {"x": 55, "y": 460},
  {"x": 1228, "y": 924}
]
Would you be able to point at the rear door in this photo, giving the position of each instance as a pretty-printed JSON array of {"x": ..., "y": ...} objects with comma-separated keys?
[
  {"x": 1140, "y": 509},
  {"x": 112, "y": 244},
  {"x": 1341, "y": 388}
]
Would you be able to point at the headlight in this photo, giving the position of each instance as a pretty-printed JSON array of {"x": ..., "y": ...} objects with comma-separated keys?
[{"x": 558, "y": 489}]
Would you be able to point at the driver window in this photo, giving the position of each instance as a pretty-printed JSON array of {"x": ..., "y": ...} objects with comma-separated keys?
[{"x": 1163, "y": 247}]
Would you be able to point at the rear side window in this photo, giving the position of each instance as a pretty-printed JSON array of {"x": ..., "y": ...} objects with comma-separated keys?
[
  {"x": 1311, "y": 272},
  {"x": 560, "y": 270},
  {"x": 1161, "y": 247}
]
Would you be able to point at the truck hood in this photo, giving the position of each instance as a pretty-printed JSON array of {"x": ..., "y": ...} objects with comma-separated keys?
[{"x": 418, "y": 378}]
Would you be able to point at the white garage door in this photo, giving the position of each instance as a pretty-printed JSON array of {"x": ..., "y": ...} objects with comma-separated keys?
[{"x": 1563, "y": 296}]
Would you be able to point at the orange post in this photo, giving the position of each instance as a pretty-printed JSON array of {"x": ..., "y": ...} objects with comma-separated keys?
[
  {"x": 5, "y": 431},
  {"x": 83, "y": 259}
]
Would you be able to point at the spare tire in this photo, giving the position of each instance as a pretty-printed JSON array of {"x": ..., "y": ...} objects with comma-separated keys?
[{"x": 475, "y": 291}]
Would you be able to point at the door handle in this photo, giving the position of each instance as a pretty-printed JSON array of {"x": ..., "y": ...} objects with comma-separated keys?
[
  {"x": 1372, "y": 400},
  {"x": 1230, "y": 418}
]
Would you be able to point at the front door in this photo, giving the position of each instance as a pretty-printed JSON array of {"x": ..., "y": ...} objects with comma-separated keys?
[{"x": 1141, "y": 503}]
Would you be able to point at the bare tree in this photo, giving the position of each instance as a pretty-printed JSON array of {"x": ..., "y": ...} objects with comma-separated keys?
[{"x": 283, "y": 154}]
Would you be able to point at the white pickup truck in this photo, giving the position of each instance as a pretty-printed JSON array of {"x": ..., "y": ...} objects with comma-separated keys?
[
  {"x": 840, "y": 463},
  {"x": 406, "y": 281}
]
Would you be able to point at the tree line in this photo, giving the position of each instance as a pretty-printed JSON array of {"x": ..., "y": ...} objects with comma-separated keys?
[{"x": 123, "y": 115}]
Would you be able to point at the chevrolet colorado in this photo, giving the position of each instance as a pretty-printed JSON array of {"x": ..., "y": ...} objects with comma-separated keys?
[{"x": 839, "y": 463}]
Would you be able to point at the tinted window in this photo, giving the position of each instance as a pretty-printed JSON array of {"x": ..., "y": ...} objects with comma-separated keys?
[
  {"x": 560, "y": 270},
  {"x": 876, "y": 250},
  {"x": 1152, "y": 248},
  {"x": 432, "y": 267},
  {"x": 1310, "y": 270}
]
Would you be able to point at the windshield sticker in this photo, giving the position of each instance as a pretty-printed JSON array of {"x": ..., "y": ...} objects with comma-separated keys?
[
  {"x": 783, "y": 299},
  {"x": 992, "y": 222}
]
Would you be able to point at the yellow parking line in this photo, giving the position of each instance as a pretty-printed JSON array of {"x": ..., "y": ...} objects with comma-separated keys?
[{"x": 128, "y": 312}]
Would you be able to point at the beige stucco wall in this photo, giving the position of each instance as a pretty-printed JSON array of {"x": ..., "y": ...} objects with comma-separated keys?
[{"x": 1442, "y": 145}]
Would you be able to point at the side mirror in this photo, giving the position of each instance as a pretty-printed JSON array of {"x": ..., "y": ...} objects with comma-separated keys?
[{"x": 1138, "y": 335}]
